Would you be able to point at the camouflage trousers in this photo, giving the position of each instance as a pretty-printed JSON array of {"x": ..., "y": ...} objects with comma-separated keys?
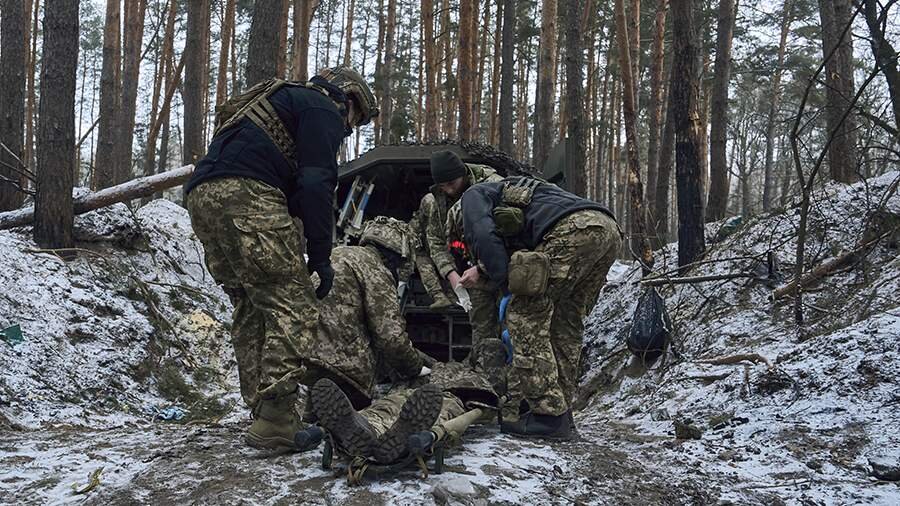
[
  {"x": 253, "y": 249},
  {"x": 546, "y": 330},
  {"x": 382, "y": 413}
]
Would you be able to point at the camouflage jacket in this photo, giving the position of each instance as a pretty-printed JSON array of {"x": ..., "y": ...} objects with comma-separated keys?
[
  {"x": 361, "y": 334},
  {"x": 436, "y": 217}
]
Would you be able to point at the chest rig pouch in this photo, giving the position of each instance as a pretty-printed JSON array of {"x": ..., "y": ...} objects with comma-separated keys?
[
  {"x": 516, "y": 195},
  {"x": 255, "y": 105}
]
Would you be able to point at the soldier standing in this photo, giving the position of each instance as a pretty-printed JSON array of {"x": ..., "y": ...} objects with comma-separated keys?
[
  {"x": 424, "y": 264},
  {"x": 272, "y": 158},
  {"x": 451, "y": 178},
  {"x": 564, "y": 246}
]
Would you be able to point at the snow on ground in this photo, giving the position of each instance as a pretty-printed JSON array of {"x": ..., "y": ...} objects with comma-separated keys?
[{"x": 136, "y": 325}]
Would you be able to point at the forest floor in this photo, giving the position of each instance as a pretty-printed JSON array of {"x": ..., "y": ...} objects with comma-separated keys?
[{"x": 135, "y": 326}]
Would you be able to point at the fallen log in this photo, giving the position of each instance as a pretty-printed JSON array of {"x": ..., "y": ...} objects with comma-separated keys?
[
  {"x": 134, "y": 189},
  {"x": 655, "y": 281}
]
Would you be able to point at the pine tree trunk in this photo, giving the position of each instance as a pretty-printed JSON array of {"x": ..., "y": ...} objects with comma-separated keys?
[
  {"x": 655, "y": 105},
  {"x": 387, "y": 71},
  {"x": 303, "y": 12},
  {"x": 600, "y": 137},
  {"x": 135, "y": 11},
  {"x": 640, "y": 243},
  {"x": 718, "y": 166},
  {"x": 494, "y": 135},
  {"x": 165, "y": 77},
  {"x": 54, "y": 215},
  {"x": 227, "y": 34},
  {"x": 885, "y": 55},
  {"x": 12, "y": 102},
  {"x": 482, "y": 53},
  {"x": 839, "y": 88},
  {"x": 774, "y": 99},
  {"x": 265, "y": 35},
  {"x": 505, "y": 117},
  {"x": 348, "y": 48},
  {"x": 575, "y": 150},
  {"x": 685, "y": 96},
  {"x": 195, "y": 69},
  {"x": 30, "y": 94},
  {"x": 449, "y": 78},
  {"x": 432, "y": 95},
  {"x": 281, "y": 56},
  {"x": 464, "y": 64},
  {"x": 664, "y": 172},
  {"x": 110, "y": 98},
  {"x": 545, "y": 93}
]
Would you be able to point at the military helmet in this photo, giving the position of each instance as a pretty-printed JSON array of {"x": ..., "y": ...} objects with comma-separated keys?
[
  {"x": 355, "y": 87},
  {"x": 454, "y": 225},
  {"x": 389, "y": 233}
]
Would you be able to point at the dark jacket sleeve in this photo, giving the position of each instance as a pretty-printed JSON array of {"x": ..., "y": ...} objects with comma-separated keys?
[
  {"x": 319, "y": 135},
  {"x": 478, "y": 204}
]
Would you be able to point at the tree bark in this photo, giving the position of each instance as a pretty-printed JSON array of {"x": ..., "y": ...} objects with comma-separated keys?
[
  {"x": 110, "y": 98},
  {"x": 348, "y": 48},
  {"x": 718, "y": 176},
  {"x": 130, "y": 190},
  {"x": 281, "y": 57},
  {"x": 222, "y": 71},
  {"x": 387, "y": 71},
  {"x": 432, "y": 96},
  {"x": 449, "y": 77},
  {"x": 664, "y": 172},
  {"x": 685, "y": 96},
  {"x": 885, "y": 54},
  {"x": 303, "y": 12},
  {"x": 12, "y": 102},
  {"x": 262, "y": 49},
  {"x": 655, "y": 105},
  {"x": 575, "y": 150},
  {"x": 546, "y": 86},
  {"x": 774, "y": 99},
  {"x": 835, "y": 14},
  {"x": 481, "y": 55},
  {"x": 505, "y": 117},
  {"x": 494, "y": 133},
  {"x": 133, "y": 39},
  {"x": 640, "y": 244},
  {"x": 467, "y": 40},
  {"x": 30, "y": 94},
  {"x": 56, "y": 130},
  {"x": 165, "y": 78},
  {"x": 195, "y": 67}
]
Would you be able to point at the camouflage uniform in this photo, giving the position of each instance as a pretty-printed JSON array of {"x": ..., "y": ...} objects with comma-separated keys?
[
  {"x": 483, "y": 315},
  {"x": 252, "y": 248},
  {"x": 434, "y": 284},
  {"x": 546, "y": 330},
  {"x": 464, "y": 389},
  {"x": 361, "y": 335}
]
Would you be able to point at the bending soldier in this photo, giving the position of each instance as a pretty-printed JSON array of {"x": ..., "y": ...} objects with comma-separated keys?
[
  {"x": 272, "y": 158},
  {"x": 548, "y": 251},
  {"x": 361, "y": 337}
]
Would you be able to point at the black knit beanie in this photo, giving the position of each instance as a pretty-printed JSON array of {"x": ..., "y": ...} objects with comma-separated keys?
[{"x": 446, "y": 166}]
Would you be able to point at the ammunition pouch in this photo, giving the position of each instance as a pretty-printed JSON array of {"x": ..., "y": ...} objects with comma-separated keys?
[
  {"x": 509, "y": 220},
  {"x": 529, "y": 273}
]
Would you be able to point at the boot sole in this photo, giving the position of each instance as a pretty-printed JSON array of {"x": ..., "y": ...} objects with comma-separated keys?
[
  {"x": 418, "y": 413},
  {"x": 337, "y": 416}
]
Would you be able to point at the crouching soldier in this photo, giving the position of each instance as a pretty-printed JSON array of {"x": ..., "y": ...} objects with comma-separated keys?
[
  {"x": 272, "y": 158},
  {"x": 548, "y": 251}
]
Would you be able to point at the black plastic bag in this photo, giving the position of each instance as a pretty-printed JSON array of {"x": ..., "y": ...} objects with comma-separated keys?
[{"x": 651, "y": 327}]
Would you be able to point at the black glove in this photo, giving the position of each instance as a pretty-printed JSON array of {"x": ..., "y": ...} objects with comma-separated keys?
[{"x": 326, "y": 278}]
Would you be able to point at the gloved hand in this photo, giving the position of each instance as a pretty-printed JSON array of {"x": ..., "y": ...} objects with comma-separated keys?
[
  {"x": 326, "y": 278},
  {"x": 507, "y": 345}
]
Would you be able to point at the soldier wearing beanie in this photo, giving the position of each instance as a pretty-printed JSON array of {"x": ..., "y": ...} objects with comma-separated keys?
[{"x": 451, "y": 178}]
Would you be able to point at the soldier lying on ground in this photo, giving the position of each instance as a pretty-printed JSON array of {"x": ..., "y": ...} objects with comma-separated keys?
[
  {"x": 272, "y": 158},
  {"x": 548, "y": 251},
  {"x": 362, "y": 337}
]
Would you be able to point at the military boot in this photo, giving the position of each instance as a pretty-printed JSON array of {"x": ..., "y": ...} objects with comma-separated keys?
[
  {"x": 275, "y": 424},
  {"x": 418, "y": 414},
  {"x": 533, "y": 425},
  {"x": 441, "y": 302},
  {"x": 336, "y": 414}
]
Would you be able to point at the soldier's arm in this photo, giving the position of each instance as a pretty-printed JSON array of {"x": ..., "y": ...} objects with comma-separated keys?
[
  {"x": 436, "y": 237},
  {"x": 481, "y": 233},
  {"x": 319, "y": 135},
  {"x": 387, "y": 327}
]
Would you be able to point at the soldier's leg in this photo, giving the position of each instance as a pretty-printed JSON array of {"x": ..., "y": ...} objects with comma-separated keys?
[
  {"x": 483, "y": 318},
  {"x": 581, "y": 248},
  {"x": 431, "y": 280},
  {"x": 247, "y": 325},
  {"x": 533, "y": 374}
]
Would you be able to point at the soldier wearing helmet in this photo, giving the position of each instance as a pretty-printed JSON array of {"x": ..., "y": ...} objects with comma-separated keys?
[{"x": 273, "y": 159}]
